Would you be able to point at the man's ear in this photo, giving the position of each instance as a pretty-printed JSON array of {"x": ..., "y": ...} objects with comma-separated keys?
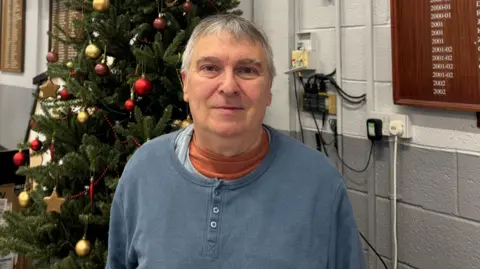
[
  {"x": 269, "y": 98},
  {"x": 184, "y": 84}
]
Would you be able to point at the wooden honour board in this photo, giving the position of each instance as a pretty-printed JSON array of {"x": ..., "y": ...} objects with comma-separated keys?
[
  {"x": 61, "y": 15},
  {"x": 436, "y": 53},
  {"x": 12, "y": 46}
]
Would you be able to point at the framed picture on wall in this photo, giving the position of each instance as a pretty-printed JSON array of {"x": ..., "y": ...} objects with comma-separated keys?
[{"x": 12, "y": 35}]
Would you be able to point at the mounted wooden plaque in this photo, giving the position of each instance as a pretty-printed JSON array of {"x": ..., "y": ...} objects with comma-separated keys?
[
  {"x": 61, "y": 15},
  {"x": 436, "y": 53},
  {"x": 12, "y": 38}
]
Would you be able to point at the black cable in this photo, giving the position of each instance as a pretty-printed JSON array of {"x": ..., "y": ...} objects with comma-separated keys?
[
  {"x": 335, "y": 84},
  {"x": 322, "y": 142},
  {"x": 341, "y": 92},
  {"x": 347, "y": 96},
  {"x": 333, "y": 127},
  {"x": 298, "y": 108},
  {"x": 319, "y": 131},
  {"x": 378, "y": 255},
  {"x": 366, "y": 166},
  {"x": 368, "y": 162},
  {"x": 320, "y": 134}
]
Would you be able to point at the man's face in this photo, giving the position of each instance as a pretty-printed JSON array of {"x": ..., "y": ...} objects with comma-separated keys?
[{"x": 227, "y": 85}]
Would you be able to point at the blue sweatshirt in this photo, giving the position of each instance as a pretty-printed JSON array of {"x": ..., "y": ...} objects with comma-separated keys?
[{"x": 292, "y": 212}]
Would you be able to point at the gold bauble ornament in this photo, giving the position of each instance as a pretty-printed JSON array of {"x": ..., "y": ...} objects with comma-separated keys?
[
  {"x": 83, "y": 247},
  {"x": 186, "y": 122},
  {"x": 69, "y": 64},
  {"x": 23, "y": 199},
  {"x": 82, "y": 117},
  {"x": 92, "y": 51},
  {"x": 101, "y": 5}
]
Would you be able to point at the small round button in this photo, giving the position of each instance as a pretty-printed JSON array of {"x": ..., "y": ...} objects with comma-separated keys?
[
  {"x": 217, "y": 192},
  {"x": 213, "y": 224},
  {"x": 216, "y": 210}
]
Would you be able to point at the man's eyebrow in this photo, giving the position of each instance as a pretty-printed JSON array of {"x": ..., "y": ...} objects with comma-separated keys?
[
  {"x": 208, "y": 59},
  {"x": 250, "y": 61},
  {"x": 241, "y": 61}
]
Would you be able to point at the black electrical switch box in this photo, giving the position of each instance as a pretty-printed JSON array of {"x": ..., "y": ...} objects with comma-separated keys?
[
  {"x": 315, "y": 103},
  {"x": 374, "y": 129}
]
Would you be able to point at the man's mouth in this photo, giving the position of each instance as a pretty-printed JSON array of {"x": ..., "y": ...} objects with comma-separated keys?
[{"x": 229, "y": 107}]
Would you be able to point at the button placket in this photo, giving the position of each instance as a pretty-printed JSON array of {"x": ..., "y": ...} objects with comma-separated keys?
[
  {"x": 215, "y": 210},
  {"x": 213, "y": 222}
]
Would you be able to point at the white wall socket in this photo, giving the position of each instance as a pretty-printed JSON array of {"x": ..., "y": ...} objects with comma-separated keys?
[
  {"x": 387, "y": 117},
  {"x": 407, "y": 124}
]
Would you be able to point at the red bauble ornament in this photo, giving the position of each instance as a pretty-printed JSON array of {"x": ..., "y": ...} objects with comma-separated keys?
[
  {"x": 19, "y": 158},
  {"x": 142, "y": 86},
  {"x": 64, "y": 94},
  {"x": 36, "y": 144},
  {"x": 52, "y": 57},
  {"x": 187, "y": 6},
  {"x": 160, "y": 23},
  {"x": 129, "y": 105},
  {"x": 102, "y": 70}
]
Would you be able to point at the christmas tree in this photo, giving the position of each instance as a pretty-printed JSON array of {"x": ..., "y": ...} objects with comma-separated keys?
[{"x": 122, "y": 88}]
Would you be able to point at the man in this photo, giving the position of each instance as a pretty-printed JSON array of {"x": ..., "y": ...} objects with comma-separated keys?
[{"x": 227, "y": 191}]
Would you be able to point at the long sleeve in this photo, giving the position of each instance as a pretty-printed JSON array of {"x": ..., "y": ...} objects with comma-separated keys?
[
  {"x": 346, "y": 250},
  {"x": 117, "y": 237}
]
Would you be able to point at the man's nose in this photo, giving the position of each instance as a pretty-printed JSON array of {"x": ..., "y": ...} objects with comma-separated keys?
[{"x": 229, "y": 83}]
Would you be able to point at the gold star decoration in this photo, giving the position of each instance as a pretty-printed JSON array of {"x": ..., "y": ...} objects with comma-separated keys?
[
  {"x": 54, "y": 203},
  {"x": 49, "y": 89}
]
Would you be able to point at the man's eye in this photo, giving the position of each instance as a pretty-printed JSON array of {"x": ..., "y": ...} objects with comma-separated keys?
[
  {"x": 248, "y": 73},
  {"x": 248, "y": 70},
  {"x": 209, "y": 68}
]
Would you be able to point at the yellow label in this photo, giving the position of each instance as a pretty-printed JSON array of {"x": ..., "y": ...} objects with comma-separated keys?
[{"x": 299, "y": 58}]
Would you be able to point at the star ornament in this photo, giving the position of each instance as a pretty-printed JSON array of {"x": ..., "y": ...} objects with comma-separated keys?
[
  {"x": 49, "y": 89},
  {"x": 54, "y": 202}
]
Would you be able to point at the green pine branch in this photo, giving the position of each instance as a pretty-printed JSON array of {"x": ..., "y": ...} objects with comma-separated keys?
[{"x": 92, "y": 149}]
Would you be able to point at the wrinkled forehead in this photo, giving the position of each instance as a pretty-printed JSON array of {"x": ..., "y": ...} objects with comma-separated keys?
[{"x": 224, "y": 45}]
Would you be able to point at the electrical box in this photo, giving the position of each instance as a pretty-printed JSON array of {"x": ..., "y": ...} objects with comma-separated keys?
[
  {"x": 306, "y": 40},
  {"x": 315, "y": 102},
  {"x": 304, "y": 57},
  {"x": 319, "y": 103}
]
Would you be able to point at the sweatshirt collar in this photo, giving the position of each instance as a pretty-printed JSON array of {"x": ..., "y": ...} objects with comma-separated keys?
[{"x": 230, "y": 184}]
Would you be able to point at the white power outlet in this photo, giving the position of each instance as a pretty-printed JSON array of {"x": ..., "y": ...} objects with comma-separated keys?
[
  {"x": 386, "y": 118},
  {"x": 407, "y": 124},
  {"x": 396, "y": 127}
]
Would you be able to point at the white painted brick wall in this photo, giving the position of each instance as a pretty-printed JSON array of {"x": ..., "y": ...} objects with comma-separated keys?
[
  {"x": 450, "y": 130},
  {"x": 439, "y": 209},
  {"x": 277, "y": 28}
]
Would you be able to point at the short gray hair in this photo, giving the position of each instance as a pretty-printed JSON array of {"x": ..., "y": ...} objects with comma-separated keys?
[{"x": 236, "y": 25}]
